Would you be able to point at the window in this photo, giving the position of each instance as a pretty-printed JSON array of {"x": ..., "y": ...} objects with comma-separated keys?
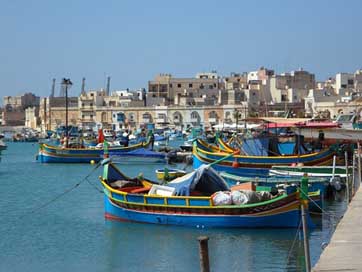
[
  {"x": 211, "y": 87},
  {"x": 190, "y": 85},
  {"x": 170, "y": 85},
  {"x": 201, "y": 86},
  {"x": 91, "y": 116},
  {"x": 91, "y": 104},
  {"x": 179, "y": 85},
  {"x": 350, "y": 81},
  {"x": 82, "y": 104},
  {"x": 82, "y": 115}
]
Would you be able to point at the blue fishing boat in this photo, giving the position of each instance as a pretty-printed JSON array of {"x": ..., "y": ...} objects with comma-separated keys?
[
  {"x": 246, "y": 165},
  {"x": 191, "y": 201},
  {"x": 55, "y": 154}
]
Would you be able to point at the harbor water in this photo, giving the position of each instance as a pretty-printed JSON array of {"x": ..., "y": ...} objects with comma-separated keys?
[{"x": 50, "y": 224}]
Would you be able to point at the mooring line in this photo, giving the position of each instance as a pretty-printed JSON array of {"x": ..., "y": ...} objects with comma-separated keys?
[
  {"x": 60, "y": 195},
  {"x": 292, "y": 247}
]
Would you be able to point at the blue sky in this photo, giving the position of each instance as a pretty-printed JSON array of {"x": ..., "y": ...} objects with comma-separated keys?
[{"x": 132, "y": 41}]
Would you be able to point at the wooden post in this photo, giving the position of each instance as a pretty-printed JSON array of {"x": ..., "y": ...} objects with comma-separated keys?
[
  {"x": 347, "y": 175},
  {"x": 304, "y": 207},
  {"x": 204, "y": 253}
]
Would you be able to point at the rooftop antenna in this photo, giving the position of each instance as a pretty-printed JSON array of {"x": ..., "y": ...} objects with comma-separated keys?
[
  {"x": 83, "y": 86},
  {"x": 53, "y": 89}
]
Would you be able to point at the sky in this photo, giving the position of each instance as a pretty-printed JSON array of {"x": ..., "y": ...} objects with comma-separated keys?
[{"x": 132, "y": 41}]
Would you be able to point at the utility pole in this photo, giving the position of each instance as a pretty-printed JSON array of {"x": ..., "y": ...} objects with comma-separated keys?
[
  {"x": 53, "y": 88},
  {"x": 83, "y": 86},
  {"x": 65, "y": 83}
]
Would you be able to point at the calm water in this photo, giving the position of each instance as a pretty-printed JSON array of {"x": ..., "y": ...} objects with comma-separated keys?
[{"x": 71, "y": 233}]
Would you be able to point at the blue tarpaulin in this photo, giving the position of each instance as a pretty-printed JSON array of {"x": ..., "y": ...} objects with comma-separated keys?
[{"x": 256, "y": 146}]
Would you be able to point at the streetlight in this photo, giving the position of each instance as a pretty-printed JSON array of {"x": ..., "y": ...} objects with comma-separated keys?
[{"x": 65, "y": 83}]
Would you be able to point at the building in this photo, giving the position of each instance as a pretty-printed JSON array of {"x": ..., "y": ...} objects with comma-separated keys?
[
  {"x": 32, "y": 117},
  {"x": 14, "y": 108},
  {"x": 52, "y": 112},
  {"x": 344, "y": 83},
  {"x": 168, "y": 87}
]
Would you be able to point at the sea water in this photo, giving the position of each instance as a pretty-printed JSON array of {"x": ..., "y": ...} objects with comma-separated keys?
[{"x": 50, "y": 223}]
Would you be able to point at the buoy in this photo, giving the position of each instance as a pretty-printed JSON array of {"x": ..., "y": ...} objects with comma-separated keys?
[{"x": 92, "y": 162}]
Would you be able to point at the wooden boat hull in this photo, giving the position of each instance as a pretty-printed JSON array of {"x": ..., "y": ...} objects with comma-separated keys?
[
  {"x": 54, "y": 154},
  {"x": 253, "y": 165},
  {"x": 246, "y": 171},
  {"x": 288, "y": 218},
  {"x": 130, "y": 204}
]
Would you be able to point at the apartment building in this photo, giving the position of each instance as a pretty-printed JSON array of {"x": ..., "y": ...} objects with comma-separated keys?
[{"x": 166, "y": 86}]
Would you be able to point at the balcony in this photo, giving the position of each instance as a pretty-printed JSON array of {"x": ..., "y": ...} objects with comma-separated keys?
[
  {"x": 194, "y": 120},
  {"x": 176, "y": 121},
  {"x": 86, "y": 98},
  {"x": 212, "y": 120},
  {"x": 147, "y": 120},
  {"x": 87, "y": 107},
  {"x": 161, "y": 120},
  {"x": 87, "y": 119}
]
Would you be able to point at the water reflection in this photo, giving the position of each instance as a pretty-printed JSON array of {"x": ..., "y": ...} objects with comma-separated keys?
[{"x": 138, "y": 247}]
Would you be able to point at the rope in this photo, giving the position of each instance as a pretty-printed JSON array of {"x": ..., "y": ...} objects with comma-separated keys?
[
  {"x": 315, "y": 203},
  {"x": 94, "y": 186},
  {"x": 60, "y": 195},
  {"x": 292, "y": 247}
]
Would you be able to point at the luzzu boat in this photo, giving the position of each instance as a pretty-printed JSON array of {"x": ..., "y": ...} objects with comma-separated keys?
[
  {"x": 55, "y": 154},
  {"x": 189, "y": 201},
  {"x": 243, "y": 165}
]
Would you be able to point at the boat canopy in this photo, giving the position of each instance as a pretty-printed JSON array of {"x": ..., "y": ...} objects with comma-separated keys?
[{"x": 204, "y": 180}]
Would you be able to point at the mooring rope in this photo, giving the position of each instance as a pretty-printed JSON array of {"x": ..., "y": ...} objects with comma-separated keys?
[
  {"x": 60, "y": 195},
  {"x": 292, "y": 247},
  {"x": 319, "y": 207}
]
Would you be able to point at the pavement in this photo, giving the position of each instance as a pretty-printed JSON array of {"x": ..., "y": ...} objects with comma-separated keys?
[{"x": 344, "y": 252}]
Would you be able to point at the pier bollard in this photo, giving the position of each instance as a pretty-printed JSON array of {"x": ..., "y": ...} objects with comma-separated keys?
[{"x": 204, "y": 253}]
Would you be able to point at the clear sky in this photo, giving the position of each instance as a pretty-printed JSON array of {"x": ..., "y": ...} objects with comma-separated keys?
[{"x": 132, "y": 41}]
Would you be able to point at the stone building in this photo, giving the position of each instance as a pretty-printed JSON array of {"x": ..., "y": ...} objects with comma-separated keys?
[
  {"x": 52, "y": 112},
  {"x": 168, "y": 87},
  {"x": 14, "y": 108}
]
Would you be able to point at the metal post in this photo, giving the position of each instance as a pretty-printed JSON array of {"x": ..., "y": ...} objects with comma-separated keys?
[
  {"x": 66, "y": 116},
  {"x": 204, "y": 253},
  {"x": 353, "y": 173},
  {"x": 65, "y": 84},
  {"x": 304, "y": 206},
  {"x": 359, "y": 163},
  {"x": 347, "y": 175}
]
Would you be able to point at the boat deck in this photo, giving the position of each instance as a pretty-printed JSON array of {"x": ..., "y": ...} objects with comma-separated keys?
[{"x": 344, "y": 250}]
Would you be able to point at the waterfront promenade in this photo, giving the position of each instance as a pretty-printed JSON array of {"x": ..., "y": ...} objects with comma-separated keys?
[{"x": 345, "y": 248}]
